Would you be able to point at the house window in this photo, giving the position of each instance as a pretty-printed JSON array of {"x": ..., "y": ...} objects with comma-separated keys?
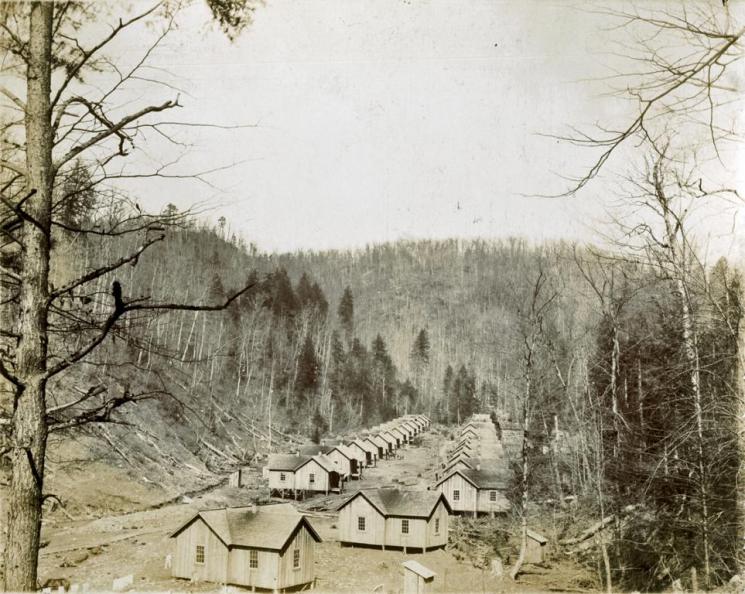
[
  {"x": 492, "y": 496},
  {"x": 361, "y": 524},
  {"x": 199, "y": 556},
  {"x": 404, "y": 526},
  {"x": 253, "y": 559},
  {"x": 456, "y": 495},
  {"x": 296, "y": 559},
  {"x": 282, "y": 477},
  {"x": 312, "y": 478},
  {"x": 437, "y": 525}
]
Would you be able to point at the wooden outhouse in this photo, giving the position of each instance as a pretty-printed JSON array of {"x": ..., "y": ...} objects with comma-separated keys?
[
  {"x": 534, "y": 552},
  {"x": 417, "y": 578},
  {"x": 269, "y": 547},
  {"x": 393, "y": 518},
  {"x": 298, "y": 476},
  {"x": 476, "y": 492}
]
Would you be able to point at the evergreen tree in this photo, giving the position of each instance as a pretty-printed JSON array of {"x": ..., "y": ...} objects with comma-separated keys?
[
  {"x": 304, "y": 291},
  {"x": 318, "y": 299},
  {"x": 420, "y": 350},
  {"x": 346, "y": 312},
  {"x": 282, "y": 299},
  {"x": 307, "y": 371},
  {"x": 408, "y": 396}
]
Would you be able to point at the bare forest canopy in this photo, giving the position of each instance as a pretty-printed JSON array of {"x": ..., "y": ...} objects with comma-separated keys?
[{"x": 328, "y": 342}]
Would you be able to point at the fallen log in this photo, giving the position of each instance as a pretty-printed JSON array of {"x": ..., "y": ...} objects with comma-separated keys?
[{"x": 218, "y": 452}]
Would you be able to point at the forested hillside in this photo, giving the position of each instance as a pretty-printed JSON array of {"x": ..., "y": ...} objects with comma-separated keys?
[{"x": 624, "y": 383}]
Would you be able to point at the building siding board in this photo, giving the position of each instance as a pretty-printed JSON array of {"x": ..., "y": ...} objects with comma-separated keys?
[
  {"x": 321, "y": 476},
  {"x": 288, "y": 576},
  {"x": 264, "y": 576},
  {"x": 214, "y": 568},
  {"x": 374, "y": 533}
]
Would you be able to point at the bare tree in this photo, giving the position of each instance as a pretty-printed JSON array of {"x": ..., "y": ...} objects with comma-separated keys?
[
  {"x": 532, "y": 337},
  {"x": 680, "y": 77},
  {"x": 55, "y": 126}
]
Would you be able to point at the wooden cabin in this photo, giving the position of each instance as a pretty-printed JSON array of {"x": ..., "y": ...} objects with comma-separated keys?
[
  {"x": 401, "y": 429},
  {"x": 393, "y": 518},
  {"x": 383, "y": 444},
  {"x": 344, "y": 461},
  {"x": 534, "y": 552},
  {"x": 411, "y": 427},
  {"x": 394, "y": 440},
  {"x": 269, "y": 547},
  {"x": 363, "y": 455},
  {"x": 376, "y": 450},
  {"x": 401, "y": 435},
  {"x": 299, "y": 476},
  {"x": 468, "y": 432},
  {"x": 416, "y": 421},
  {"x": 390, "y": 440},
  {"x": 371, "y": 448},
  {"x": 476, "y": 492}
]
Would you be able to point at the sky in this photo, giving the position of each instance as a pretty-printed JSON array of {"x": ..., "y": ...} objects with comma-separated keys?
[{"x": 365, "y": 121}]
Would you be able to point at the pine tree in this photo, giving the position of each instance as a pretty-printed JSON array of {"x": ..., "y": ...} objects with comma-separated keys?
[
  {"x": 304, "y": 291},
  {"x": 307, "y": 374},
  {"x": 346, "y": 313},
  {"x": 420, "y": 350}
]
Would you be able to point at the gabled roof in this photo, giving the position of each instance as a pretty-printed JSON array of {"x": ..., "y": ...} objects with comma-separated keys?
[
  {"x": 263, "y": 527},
  {"x": 410, "y": 425},
  {"x": 387, "y": 437},
  {"x": 399, "y": 502},
  {"x": 286, "y": 462},
  {"x": 399, "y": 431},
  {"x": 295, "y": 463},
  {"x": 366, "y": 445},
  {"x": 314, "y": 449},
  {"x": 481, "y": 479},
  {"x": 379, "y": 440},
  {"x": 324, "y": 462},
  {"x": 483, "y": 462},
  {"x": 354, "y": 443}
]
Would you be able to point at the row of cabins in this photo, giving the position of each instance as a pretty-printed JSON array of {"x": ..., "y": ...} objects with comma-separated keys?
[
  {"x": 272, "y": 547},
  {"x": 325, "y": 467},
  {"x": 475, "y": 476}
]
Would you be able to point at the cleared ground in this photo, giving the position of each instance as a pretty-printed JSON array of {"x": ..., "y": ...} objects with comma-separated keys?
[{"x": 94, "y": 552}]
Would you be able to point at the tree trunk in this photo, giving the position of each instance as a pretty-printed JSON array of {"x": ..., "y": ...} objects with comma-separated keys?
[
  {"x": 29, "y": 430},
  {"x": 524, "y": 482},
  {"x": 692, "y": 356},
  {"x": 740, "y": 437}
]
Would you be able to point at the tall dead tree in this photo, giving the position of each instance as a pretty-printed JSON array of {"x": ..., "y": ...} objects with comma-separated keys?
[
  {"x": 531, "y": 338},
  {"x": 57, "y": 124}
]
